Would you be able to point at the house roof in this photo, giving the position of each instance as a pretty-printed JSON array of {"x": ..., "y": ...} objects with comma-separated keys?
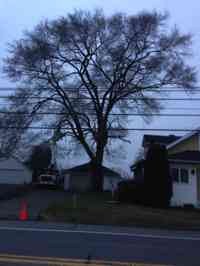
[
  {"x": 17, "y": 164},
  {"x": 185, "y": 157},
  {"x": 187, "y": 136},
  {"x": 86, "y": 168},
  {"x": 163, "y": 140}
]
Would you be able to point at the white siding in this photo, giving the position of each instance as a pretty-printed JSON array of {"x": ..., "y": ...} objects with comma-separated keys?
[
  {"x": 14, "y": 172},
  {"x": 185, "y": 193}
]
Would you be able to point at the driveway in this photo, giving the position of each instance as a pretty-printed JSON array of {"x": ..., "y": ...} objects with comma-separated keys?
[{"x": 36, "y": 200}]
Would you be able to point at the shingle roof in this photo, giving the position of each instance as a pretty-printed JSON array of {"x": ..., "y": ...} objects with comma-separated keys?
[
  {"x": 186, "y": 156},
  {"x": 163, "y": 140},
  {"x": 86, "y": 168},
  {"x": 185, "y": 137}
]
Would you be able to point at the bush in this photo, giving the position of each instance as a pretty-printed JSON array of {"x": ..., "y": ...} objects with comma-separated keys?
[
  {"x": 129, "y": 192},
  {"x": 157, "y": 180}
]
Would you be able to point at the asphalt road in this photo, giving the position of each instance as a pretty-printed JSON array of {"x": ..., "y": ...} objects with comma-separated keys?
[{"x": 100, "y": 243}]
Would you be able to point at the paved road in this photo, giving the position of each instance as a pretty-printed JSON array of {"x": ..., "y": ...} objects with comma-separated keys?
[
  {"x": 101, "y": 243},
  {"x": 36, "y": 200}
]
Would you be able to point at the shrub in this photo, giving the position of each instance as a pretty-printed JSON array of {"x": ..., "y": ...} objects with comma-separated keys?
[
  {"x": 129, "y": 192},
  {"x": 157, "y": 180}
]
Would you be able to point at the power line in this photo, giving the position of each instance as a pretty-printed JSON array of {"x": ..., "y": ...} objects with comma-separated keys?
[
  {"x": 115, "y": 129},
  {"x": 112, "y": 114},
  {"x": 159, "y": 89},
  {"x": 88, "y": 98},
  {"x": 182, "y": 108},
  {"x": 4, "y": 104}
]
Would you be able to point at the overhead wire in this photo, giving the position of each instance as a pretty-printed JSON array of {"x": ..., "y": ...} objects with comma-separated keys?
[
  {"x": 111, "y": 114},
  {"x": 173, "y": 89},
  {"x": 113, "y": 129},
  {"x": 88, "y": 98},
  {"x": 168, "y": 88}
]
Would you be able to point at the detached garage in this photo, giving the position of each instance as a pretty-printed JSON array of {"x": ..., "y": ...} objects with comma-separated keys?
[
  {"x": 13, "y": 172},
  {"x": 78, "y": 178}
]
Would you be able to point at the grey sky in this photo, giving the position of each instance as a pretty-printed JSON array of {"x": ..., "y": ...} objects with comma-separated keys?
[{"x": 19, "y": 15}]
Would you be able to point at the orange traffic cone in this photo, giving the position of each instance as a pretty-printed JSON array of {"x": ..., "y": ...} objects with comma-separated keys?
[{"x": 23, "y": 214}]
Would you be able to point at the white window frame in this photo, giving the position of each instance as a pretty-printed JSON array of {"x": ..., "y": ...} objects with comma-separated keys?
[{"x": 179, "y": 176}]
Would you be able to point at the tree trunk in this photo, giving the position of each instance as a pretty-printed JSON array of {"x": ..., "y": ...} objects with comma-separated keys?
[{"x": 96, "y": 174}]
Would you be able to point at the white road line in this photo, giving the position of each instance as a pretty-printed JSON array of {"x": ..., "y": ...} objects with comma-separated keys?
[{"x": 7, "y": 228}]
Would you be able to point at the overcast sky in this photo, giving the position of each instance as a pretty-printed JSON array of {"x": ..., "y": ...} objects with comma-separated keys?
[{"x": 19, "y": 15}]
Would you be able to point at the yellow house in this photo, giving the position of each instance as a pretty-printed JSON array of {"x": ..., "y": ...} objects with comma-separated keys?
[
  {"x": 189, "y": 142},
  {"x": 184, "y": 159}
]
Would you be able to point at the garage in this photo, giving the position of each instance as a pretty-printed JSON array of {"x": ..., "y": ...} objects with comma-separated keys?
[{"x": 13, "y": 172}]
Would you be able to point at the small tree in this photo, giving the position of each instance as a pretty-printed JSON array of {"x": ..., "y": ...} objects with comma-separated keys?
[{"x": 157, "y": 180}]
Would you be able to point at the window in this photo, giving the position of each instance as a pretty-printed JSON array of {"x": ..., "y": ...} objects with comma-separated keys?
[
  {"x": 192, "y": 171},
  {"x": 180, "y": 175},
  {"x": 184, "y": 176},
  {"x": 175, "y": 174}
]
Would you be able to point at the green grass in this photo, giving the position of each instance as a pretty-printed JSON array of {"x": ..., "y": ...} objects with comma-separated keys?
[{"x": 91, "y": 208}]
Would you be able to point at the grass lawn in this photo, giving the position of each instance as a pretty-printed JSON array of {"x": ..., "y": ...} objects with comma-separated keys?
[{"x": 95, "y": 209}]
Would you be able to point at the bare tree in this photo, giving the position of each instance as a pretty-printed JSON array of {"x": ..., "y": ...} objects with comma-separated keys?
[
  {"x": 140, "y": 155},
  {"x": 11, "y": 132},
  {"x": 85, "y": 67}
]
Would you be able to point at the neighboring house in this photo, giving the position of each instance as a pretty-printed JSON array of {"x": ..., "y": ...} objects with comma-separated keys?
[
  {"x": 13, "y": 172},
  {"x": 78, "y": 178},
  {"x": 184, "y": 159},
  {"x": 156, "y": 139},
  {"x": 138, "y": 167},
  {"x": 185, "y": 171}
]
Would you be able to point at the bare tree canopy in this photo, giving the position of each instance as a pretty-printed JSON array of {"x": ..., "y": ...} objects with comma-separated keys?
[
  {"x": 86, "y": 66},
  {"x": 40, "y": 157}
]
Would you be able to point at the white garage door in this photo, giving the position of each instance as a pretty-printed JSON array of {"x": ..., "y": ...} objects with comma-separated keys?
[{"x": 13, "y": 172}]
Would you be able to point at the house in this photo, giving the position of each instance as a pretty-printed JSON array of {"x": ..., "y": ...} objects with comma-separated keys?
[
  {"x": 13, "y": 172},
  {"x": 138, "y": 167},
  {"x": 78, "y": 178},
  {"x": 156, "y": 139},
  {"x": 184, "y": 160}
]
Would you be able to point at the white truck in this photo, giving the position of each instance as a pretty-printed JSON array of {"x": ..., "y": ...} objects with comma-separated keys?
[{"x": 47, "y": 180}]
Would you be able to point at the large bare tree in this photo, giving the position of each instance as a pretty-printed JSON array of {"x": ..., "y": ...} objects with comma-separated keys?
[{"x": 85, "y": 67}]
